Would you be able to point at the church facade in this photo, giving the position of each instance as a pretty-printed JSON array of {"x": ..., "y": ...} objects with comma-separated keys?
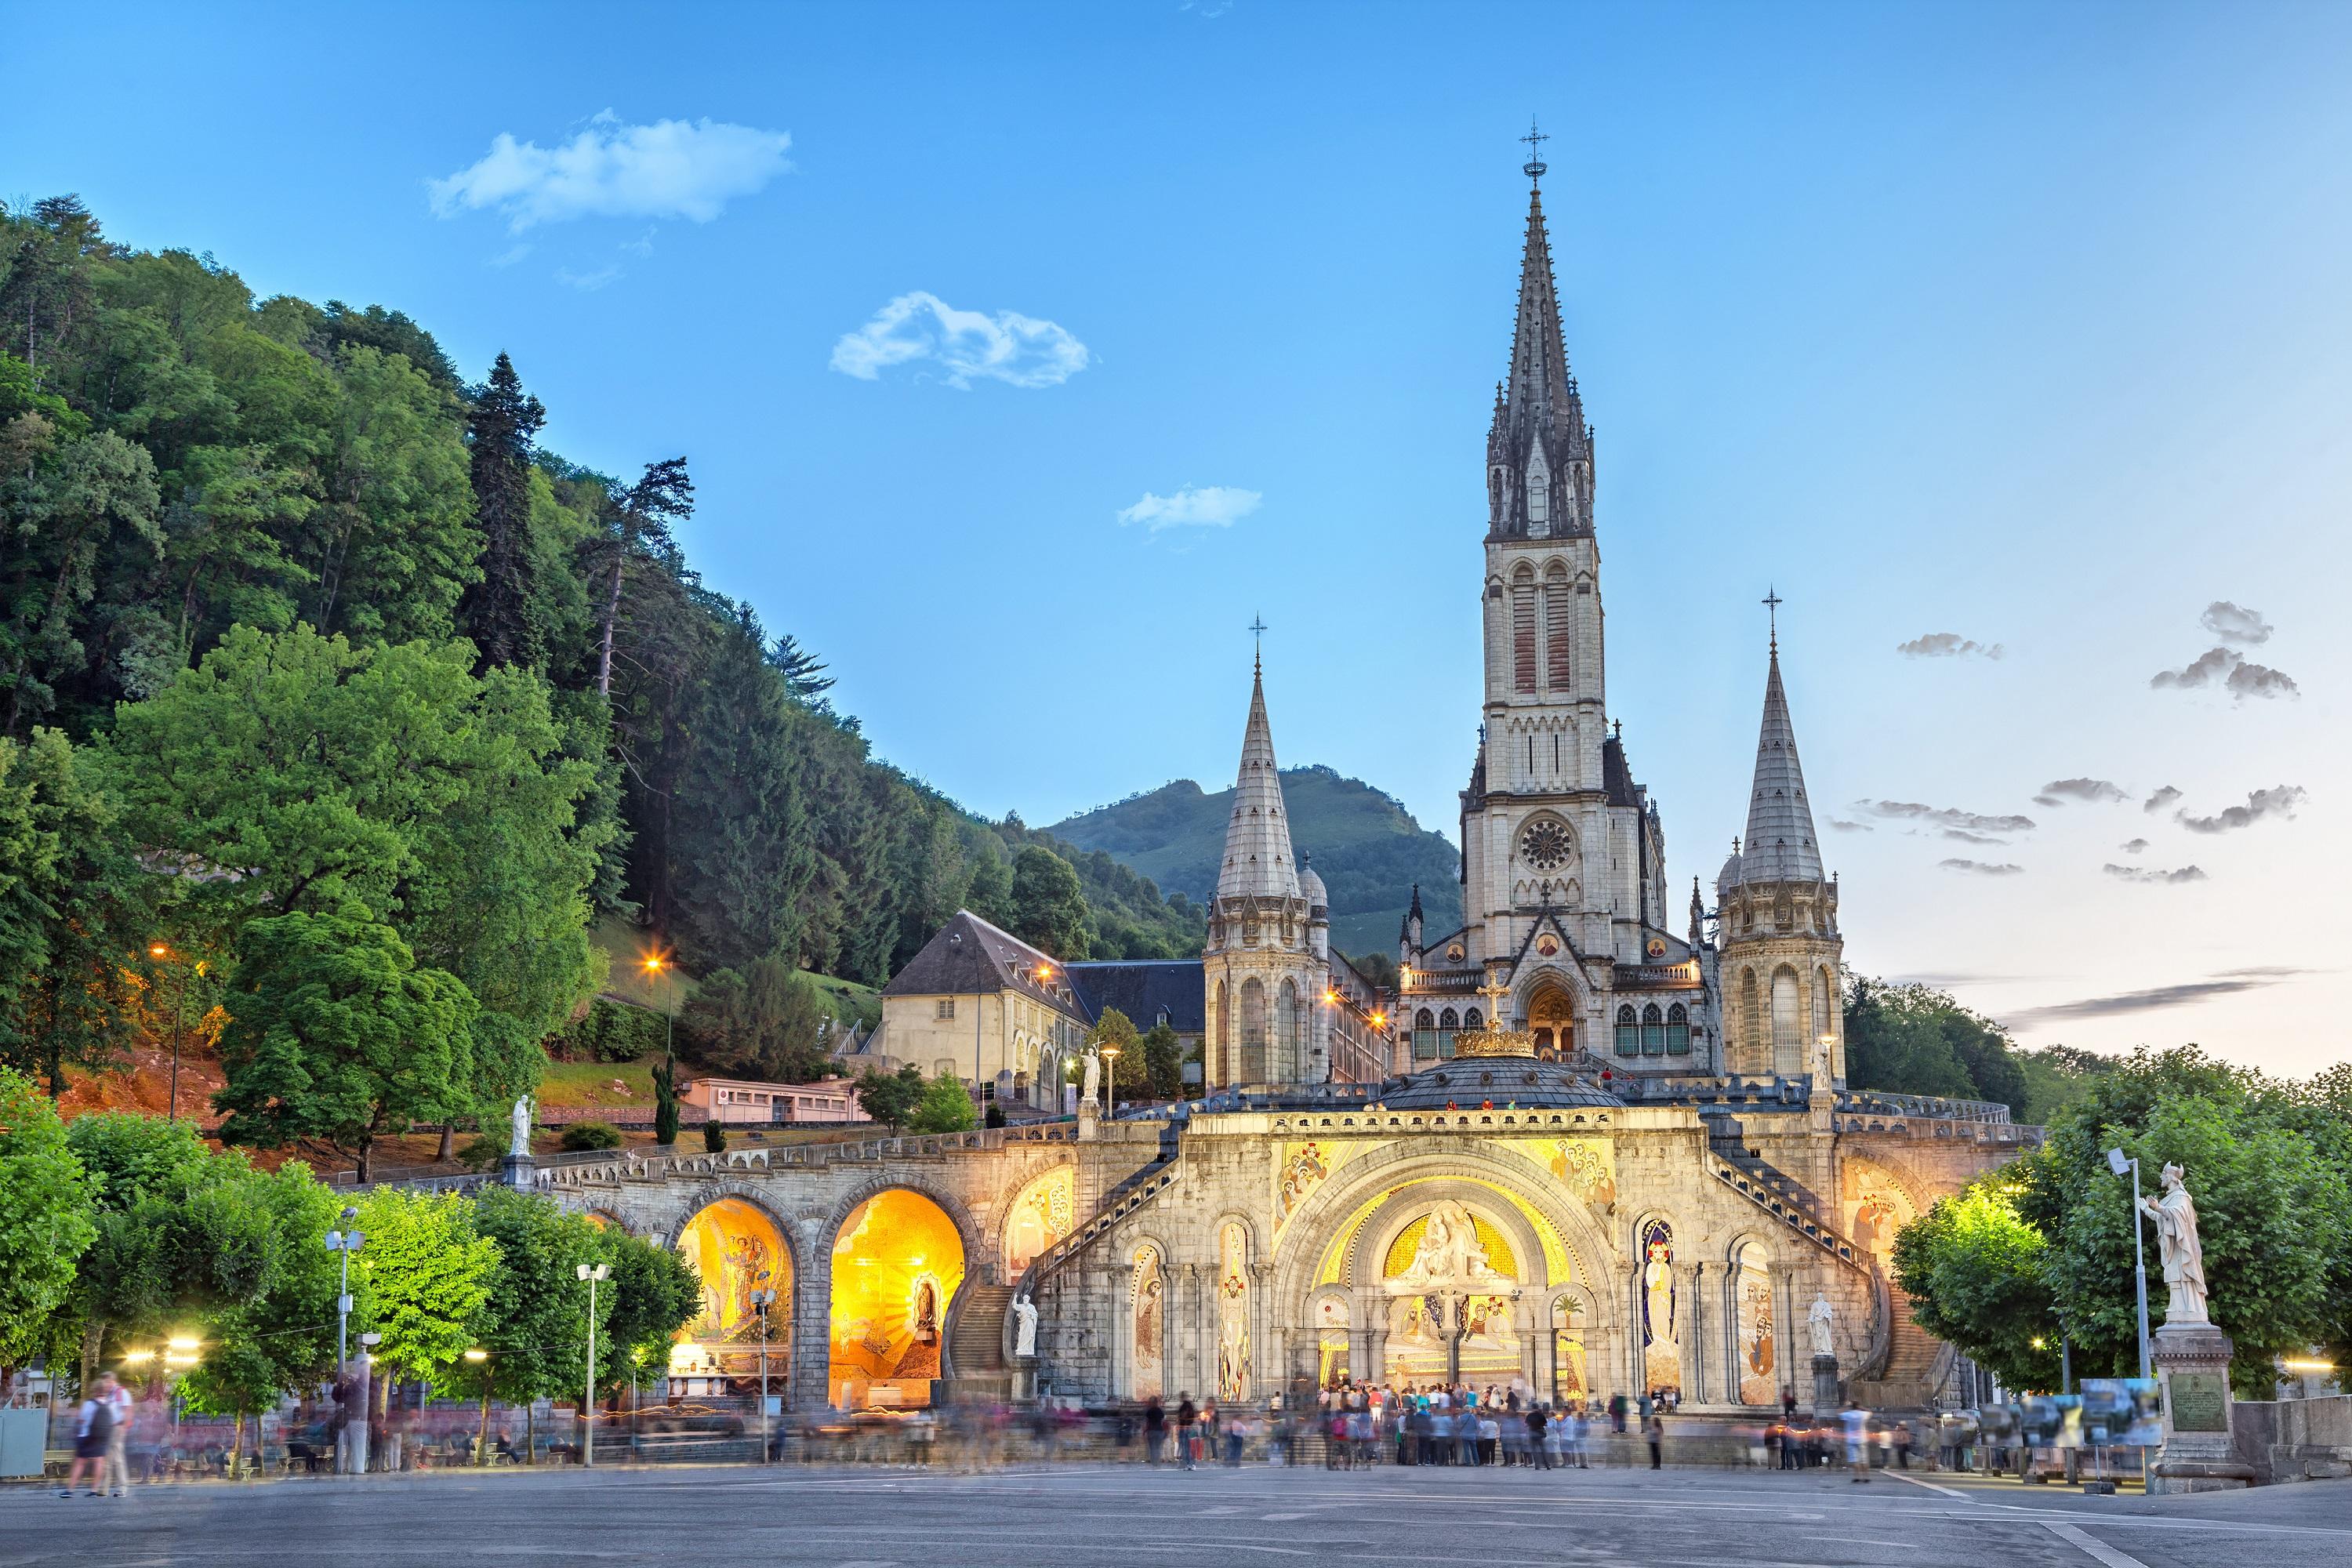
[{"x": 1577, "y": 1151}]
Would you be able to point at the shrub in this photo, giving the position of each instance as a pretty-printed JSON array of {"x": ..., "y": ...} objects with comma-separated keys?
[
  {"x": 609, "y": 1032},
  {"x": 581, "y": 1136},
  {"x": 714, "y": 1137},
  {"x": 480, "y": 1153}
]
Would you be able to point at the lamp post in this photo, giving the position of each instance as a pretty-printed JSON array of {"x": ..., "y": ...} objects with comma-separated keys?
[
  {"x": 1110, "y": 1079},
  {"x": 761, "y": 1300},
  {"x": 2118, "y": 1162},
  {"x": 588, "y": 1400},
  {"x": 345, "y": 1242},
  {"x": 161, "y": 953}
]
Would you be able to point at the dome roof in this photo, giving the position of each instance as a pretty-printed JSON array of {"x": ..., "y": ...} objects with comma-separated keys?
[
  {"x": 1310, "y": 885},
  {"x": 1730, "y": 876},
  {"x": 1467, "y": 1081}
]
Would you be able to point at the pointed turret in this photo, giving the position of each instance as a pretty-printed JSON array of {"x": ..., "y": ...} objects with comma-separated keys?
[
  {"x": 1780, "y": 846},
  {"x": 1539, "y": 449},
  {"x": 1258, "y": 862}
]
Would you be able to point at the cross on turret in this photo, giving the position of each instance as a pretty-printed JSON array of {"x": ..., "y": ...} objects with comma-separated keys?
[{"x": 1535, "y": 167}]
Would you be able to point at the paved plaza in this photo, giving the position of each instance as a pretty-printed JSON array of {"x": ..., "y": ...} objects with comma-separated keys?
[{"x": 1126, "y": 1516}]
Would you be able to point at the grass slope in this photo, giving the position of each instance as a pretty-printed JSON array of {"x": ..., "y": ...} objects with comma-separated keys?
[{"x": 1366, "y": 847}]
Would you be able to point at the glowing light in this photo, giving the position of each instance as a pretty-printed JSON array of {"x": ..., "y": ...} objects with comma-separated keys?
[
  {"x": 654, "y": 961},
  {"x": 139, "y": 1355},
  {"x": 182, "y": 1343},
  {"x": 1330, "y": 998},
  {"x": 159, "y": 951},
  {"x": 2037, "y": 1342},
  {"x": 2308, "y": 1365},
  {"x": 477, "y": 1355}
]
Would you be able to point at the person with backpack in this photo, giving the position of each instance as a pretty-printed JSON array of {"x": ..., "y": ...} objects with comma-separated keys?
[{"x": 93, "y": 1429}]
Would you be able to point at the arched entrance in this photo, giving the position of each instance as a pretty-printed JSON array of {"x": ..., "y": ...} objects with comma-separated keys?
[
  {"x": 897, "y": 1264},
  {"x": 1041, "y": 1216},
  {"x": 1551, "y": 1015},
  {"x": 740, "y": 1255},
  {"x": 1450, "y": 1283}
]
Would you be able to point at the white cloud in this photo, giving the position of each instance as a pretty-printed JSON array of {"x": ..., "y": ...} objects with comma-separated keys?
[
  {"x": 1202, "y": 506},
  {"x": 2134, "y": 846},
  {"x": 2226, "y": 667},
  {"x": 2151, "y": 874},
  {"x": 2235, "y": 623},
  {"x": 1947, "y": 644},
  {"x": 511, "y": 255},
  {"x": 2058, "y": 792},
  {"x": 671, "y": 168},
  {"x": 1981, "y": 867},
  {"x": 2262, "y": 802},
  {"x": 587, "y": 282},
  {"x": 1020, "y": 351}
]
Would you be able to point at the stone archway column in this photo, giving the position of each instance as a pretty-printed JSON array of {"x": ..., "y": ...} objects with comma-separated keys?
[
  {"x": 1530, "y": 1363},
  {"x": 1728, "y": 1298},
  {"x": 811, "y": 1318},
  {"x": 1195, "y": 1335},
  {"x": 1266, "y": 1340}
]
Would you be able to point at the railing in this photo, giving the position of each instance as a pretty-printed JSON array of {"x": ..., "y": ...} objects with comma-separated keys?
[
  {"x": 637, "y": 1164},
  {"x": 1872, "y": 1102},
  {"x": 1117, "y": 1205},
  {"x": 1787, "y": 1201}
]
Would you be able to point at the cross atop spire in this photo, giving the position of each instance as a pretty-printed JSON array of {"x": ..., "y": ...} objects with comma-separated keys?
[
  {"x": 1257, "y": 628},
  {"x": 1772, "y": 603},
  {"x": 1535, "y": 167}
]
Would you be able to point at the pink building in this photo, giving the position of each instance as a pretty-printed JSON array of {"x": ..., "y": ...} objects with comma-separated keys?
[{"x": 727, "y": 1099}]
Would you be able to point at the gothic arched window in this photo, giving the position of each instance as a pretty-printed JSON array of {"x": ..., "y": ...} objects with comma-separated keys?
[
  {"x": 1287, "y": 1065},
  {"x": 1629, "y": 1033},
  {"x": 1425, "y": 1019},
  {"x": 1787, "y": 1022},
  {"x": 1446, "y": 1020},
  {"x": 1252, "y": 1065},
  {"x": 1653, "y": 1031},
  {"x": 1677, "y": 1031},
  {"x": 1470, "y": 1020}
]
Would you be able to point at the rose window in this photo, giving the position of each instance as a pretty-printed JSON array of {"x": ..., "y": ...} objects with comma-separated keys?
[{"x": 1546, "y": 845}]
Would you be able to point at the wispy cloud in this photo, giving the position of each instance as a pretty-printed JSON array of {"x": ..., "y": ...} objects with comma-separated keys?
[
  {"x": 2233, "y": 623},
  {"x": 2134, "y": 846},
  {"x": 2159, "y": 800},
  {"x": 1842, "y": 826},
  {"x": 2229, "y": 670},
  {"x": 2229, "y": 982},
  {"x": 511, "y": 255},
  {"x": 1981, "y": 867},
  {"x": 1018, "y": 349},
  {"x": 587, "y": 282},
  {"x": 1943, "y": 816},
  {"x": 671, "y": 168},
  {"x": 2058, "y": 792},
  {"x": 1204, "y": 506},
  {"x": 1947, "y": 644},
  {"x": 2152, "y": 874},
  {"x": 2262, "y": 802},
  {"x": 1963, "y": 836}
]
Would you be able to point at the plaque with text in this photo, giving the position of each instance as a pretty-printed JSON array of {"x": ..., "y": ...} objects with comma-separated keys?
[{"x": 2201, "y": 1401}]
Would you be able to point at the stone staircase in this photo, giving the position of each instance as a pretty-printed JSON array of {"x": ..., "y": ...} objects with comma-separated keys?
[
  {"x": 1917, "y": 1363},
  {"x": 976, "y": 1366}
]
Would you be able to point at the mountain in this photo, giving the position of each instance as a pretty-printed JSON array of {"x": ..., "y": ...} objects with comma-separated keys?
[{"x": 1366, "y": 847}]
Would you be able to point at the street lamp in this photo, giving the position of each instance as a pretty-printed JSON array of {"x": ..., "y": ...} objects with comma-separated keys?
[
  {"x": 1111, "y": 1077},
  {"x": 161, "y": 953},
  {"x": 345, "y": 1242},
  {"x": 588, "y": 1402},
  {"x": 761, "y": 1300},
  {"x": 2118, "y": 1162}
]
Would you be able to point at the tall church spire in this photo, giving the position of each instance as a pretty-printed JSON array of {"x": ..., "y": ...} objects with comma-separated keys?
[
  {"x": 1780, "y": 846},
  {"x": 1258, "y": 861},
  {"x": 1538, "y": 450}
]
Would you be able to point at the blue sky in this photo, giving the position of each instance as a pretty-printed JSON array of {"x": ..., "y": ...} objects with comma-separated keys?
[{"x": 2026, "y": 325}]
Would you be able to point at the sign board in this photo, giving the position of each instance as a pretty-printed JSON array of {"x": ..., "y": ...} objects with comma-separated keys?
[
  {"x": 2201, "y": 1401},
  {"x": 1193, "y": 1074}
]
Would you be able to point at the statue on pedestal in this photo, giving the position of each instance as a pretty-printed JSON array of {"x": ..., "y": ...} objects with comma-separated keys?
[
  {"x": 2174, "y": 1214},
  {"x": 1091, "y": 1094},
  {"x": 1819, "y": 1320},
  {"x": 1025, "y": 1322},
  {"x": 519, "y": 1146}
]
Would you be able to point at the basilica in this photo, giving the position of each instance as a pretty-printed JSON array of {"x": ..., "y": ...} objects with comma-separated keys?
[{"x": 1573, "y": 1151}]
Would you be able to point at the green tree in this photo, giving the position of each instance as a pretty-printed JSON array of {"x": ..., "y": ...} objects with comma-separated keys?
[
  {"x": 891, "y": 1098},
  {"x": 1049, "y": 907},
  {"x": 423, "y": 1280},
  {"x": 47, "y": 1219},
  {"x": 268, "y": 1308},
  {"x": 335, "y": 1035},
  {"x": 764, "y": 1021},
  {"x": 537, "y": 1315},
  {"x": 2274, "y": 1208},
  {"x": 1116, "y": 1030},
  {"x": 654, "y": 1293},
  {"x": 497, "y": 612},
  {"x": 1976, "y": 1271},
  {"x": 638, "y": 524},
  {"x": 665, "y": 1077},
  {"x": 1163, "y": 1062},
  {"x": 142, "y": 1171},
  {"x": 74, "y": 903},
  {"x": 90, "y": 497},
  {"x": 1913, "y": 1039},
  {"x": 945, "y": 1106},
  {"x": 989, "y": 894}
]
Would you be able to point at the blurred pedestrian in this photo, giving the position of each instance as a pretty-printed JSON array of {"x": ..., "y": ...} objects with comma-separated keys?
[
  {"x": 1653, "y": 1428},
  {"x": 1155, "y": 1429}
]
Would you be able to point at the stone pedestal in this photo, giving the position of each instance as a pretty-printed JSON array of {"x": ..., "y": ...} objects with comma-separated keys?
[
  {"x": 1825, "y": 1387},
  {"x": 1025, "y": 1380},
  {"x": 519, "y": 1172},
  {"x": 1089, "y": 1119},
  {"x": 2192, "y": 1369}
]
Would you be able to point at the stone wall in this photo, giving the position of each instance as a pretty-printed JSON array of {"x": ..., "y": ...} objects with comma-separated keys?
[{"x": 2294, "y": 1439}]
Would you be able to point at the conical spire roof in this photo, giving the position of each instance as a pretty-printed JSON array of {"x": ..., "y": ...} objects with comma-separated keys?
[
  {"x": 1780, "y": 846},
  {"x": 1539, "y": 382},
  {"x": 1258, "y": 862}
]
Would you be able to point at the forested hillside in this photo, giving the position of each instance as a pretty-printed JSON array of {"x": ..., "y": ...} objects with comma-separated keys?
[
  {"x": 1366, "y": 847},
  {"x": 334, "y": 707}
]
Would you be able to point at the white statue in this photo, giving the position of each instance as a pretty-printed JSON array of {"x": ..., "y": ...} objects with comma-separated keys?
[
  {"x": 520, "y": 1144},
  {"x": 1024, "y": 1324},
  {"x": 1819, "y": 1320},
  {"x": 1821, "y": 1074},
  {"x": 1094, "y": 1079},
  {"x": 2184, "y": 1256},
  {"x": 1449, "y": 1249}
]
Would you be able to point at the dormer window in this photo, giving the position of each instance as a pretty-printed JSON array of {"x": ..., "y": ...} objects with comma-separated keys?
[{"x": 1538, "y": 494}]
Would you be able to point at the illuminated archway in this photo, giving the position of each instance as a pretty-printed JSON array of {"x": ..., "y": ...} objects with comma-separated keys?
[
  {"x": 738, "y": 1252},
  {"x": 1551, "y": 1013},
  {"x": 1040, "y": 1217},
  {"x": 896, "y": 1265}
]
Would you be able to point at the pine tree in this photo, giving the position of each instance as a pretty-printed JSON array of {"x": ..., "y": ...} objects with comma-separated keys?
[
  {"x": 497, "y": 611},
  {"x": 638, "y": 524}
]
